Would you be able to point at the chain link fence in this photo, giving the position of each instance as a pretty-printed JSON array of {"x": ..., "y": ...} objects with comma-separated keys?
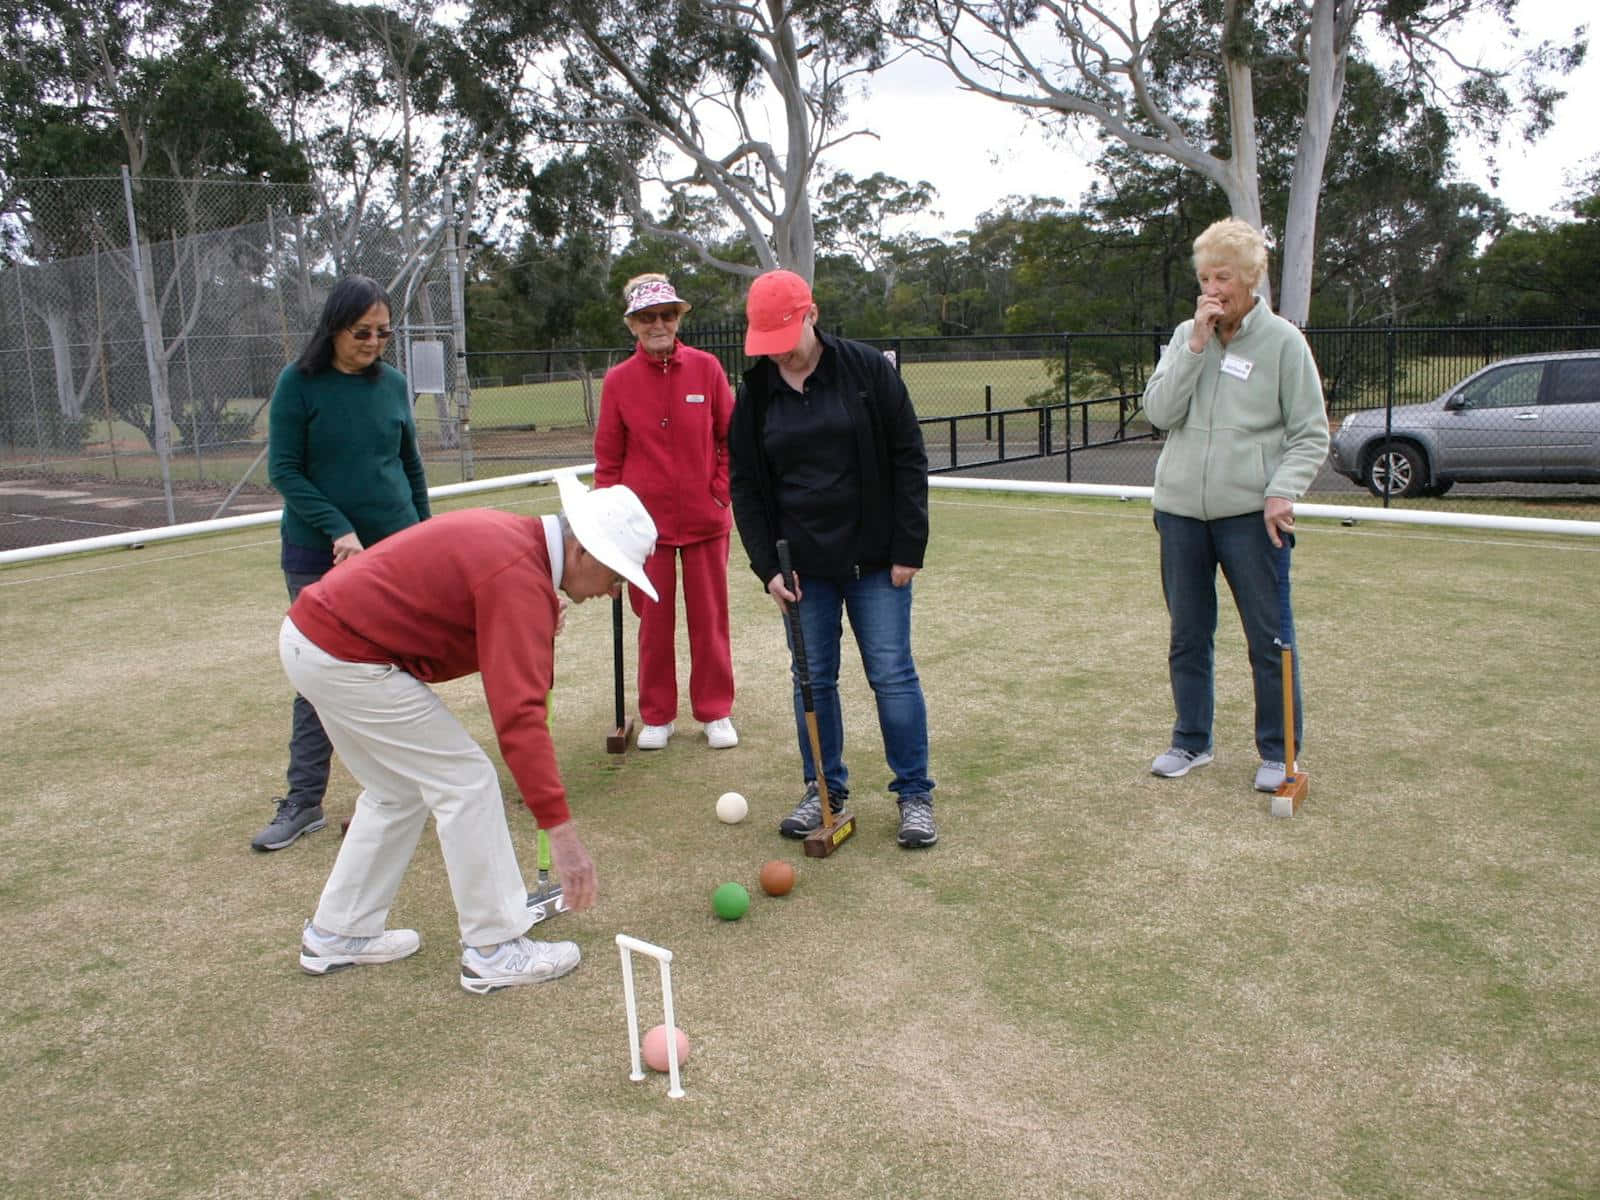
[{"x": 143, "y": 332}]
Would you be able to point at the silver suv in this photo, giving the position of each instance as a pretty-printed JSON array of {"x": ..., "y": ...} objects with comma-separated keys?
[{"x": 1533, "y": 418}]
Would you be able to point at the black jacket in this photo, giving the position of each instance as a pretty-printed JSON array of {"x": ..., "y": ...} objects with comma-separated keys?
[{"x": 893, "y": 466}]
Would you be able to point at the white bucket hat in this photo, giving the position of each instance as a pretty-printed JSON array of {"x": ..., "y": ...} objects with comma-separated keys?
[{"x": 612, "y": 525}]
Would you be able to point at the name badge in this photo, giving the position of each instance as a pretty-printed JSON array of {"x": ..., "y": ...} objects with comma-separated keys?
[
  {"x": 694, "y": 398},
  {"x": 1239, "y": 368}
]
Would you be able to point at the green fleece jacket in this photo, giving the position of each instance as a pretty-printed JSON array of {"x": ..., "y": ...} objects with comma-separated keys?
[
  {"x": 1243, "y": 422},
  {"x": 343, "y": 454}
]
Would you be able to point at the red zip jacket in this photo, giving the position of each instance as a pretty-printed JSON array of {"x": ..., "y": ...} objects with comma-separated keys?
[
  {"x": 466, "y": 591},
  {"x": 663, "y": 431}
]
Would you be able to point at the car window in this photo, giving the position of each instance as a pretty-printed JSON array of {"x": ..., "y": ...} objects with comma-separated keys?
[
  {"x": 1513, "y": 386},
  {"x": 1575, "y": 381}
]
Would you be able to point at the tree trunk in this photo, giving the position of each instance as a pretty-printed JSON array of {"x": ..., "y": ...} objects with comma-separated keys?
[
  {"x": 1324, "y": 89},
  {"x": 1241, "y": 182}
]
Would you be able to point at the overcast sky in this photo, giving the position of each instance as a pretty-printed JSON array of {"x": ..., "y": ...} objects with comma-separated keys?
[{"x": 977, "y": 151}]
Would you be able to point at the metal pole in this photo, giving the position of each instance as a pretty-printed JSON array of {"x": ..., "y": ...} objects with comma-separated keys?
[
  {"x": 458, "y": 319},
  {"x": 152, "y": 355}
]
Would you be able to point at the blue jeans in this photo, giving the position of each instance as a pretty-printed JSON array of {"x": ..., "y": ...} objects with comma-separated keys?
[
  {"x": 1191, "y": 552},
  {"x": 880, "y": 618},
  {"x": 310, "y": 751}
]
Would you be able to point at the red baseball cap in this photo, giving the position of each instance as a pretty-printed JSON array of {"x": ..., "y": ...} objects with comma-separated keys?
[{"x": 775, "y": 311}]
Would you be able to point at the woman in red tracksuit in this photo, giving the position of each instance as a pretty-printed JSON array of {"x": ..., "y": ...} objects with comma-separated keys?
[{"x": 663, "y": 431}]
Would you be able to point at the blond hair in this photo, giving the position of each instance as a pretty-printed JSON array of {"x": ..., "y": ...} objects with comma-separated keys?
[{"x": 1232, "y": 243}]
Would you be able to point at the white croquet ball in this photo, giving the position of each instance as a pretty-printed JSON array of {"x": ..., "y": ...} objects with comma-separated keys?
[{"x": 732, "y": 808}]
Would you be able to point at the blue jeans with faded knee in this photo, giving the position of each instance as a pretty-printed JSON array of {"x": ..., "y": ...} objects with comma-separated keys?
[
  {"x": 880, "y": 619},
  {"x": 1191, "y": 552}
]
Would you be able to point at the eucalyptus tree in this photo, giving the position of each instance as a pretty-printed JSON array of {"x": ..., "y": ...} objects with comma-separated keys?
[
  {"x": 163, "y": 88},
  {"x": 732, "y": 100},
  {"x": 1145, "y": 77}
]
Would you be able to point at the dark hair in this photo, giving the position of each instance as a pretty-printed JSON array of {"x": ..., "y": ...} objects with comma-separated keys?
[{"x": 347, "y": 303}]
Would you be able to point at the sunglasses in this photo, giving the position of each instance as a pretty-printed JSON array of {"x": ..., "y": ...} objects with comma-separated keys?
[
  {"x": 650, "y": 317},
  {"x": 366, "y": 335}
]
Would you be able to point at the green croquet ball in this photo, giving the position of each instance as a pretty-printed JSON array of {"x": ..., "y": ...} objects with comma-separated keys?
[{"x": 730, "y": 901}]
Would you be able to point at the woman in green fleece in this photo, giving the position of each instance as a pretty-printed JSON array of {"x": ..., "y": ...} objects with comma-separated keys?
[
  {"x": 1240, "y": 399},
  {"x": 343, "y": 454}
]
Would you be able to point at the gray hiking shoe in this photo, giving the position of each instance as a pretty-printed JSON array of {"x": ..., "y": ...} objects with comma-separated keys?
[
  {"x": 292, "y": 820},
  {"x": 916, "y": 823},
  {"x": 1269, "y": 776},
  {"x": 807, "y": 815},
  {"x": 1178, "y": 761}
]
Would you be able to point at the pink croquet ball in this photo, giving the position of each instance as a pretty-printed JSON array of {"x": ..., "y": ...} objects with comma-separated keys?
[{"x": 654, "y": 1048}]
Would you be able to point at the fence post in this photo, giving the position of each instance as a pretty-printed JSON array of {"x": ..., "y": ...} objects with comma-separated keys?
[
  {"x": 458, "y": 331},
  {"x": 1389, "y": 366},
  {"x": 988, "y": 408}
]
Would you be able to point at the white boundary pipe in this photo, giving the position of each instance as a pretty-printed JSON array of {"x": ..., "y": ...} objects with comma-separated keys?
[
  {"x": 1336, "y": 512},
  {"x": 167, "y": 533}
]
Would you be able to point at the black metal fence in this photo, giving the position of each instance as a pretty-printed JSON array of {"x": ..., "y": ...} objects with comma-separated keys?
[
  {"x": 1059, "y": 407},
  {"x": 1067, "y": 406}
]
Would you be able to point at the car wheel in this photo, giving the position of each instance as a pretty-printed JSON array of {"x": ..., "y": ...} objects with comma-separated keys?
[
  {"x": 1399, "y": 467},
  {"x": 1438, "y": 489}
]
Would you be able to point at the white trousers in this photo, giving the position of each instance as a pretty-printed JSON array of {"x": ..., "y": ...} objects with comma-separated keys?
[{"x": 412, "y": 758}]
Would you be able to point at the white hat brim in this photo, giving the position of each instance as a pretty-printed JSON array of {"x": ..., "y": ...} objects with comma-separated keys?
[{"x": 575, "y": 503}]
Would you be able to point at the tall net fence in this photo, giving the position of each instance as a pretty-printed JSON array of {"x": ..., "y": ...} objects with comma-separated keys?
[{"x": 144, "y": 329}]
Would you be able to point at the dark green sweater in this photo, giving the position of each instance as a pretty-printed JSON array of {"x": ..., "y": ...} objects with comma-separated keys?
[{"x": 343, "y": 454}]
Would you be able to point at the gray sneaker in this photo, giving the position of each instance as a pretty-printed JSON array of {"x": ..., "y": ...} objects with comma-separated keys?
[
  {"x": 1269, "y": 776},
  {"x": 807, "y": 815},
  {"x": 916, "y": 823},
  {"x": 292, "y": 820},
  {"x": 1178, "y": 761}
]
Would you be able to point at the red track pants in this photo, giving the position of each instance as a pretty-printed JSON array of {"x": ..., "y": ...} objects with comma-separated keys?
[{"x": 705, "y": 605}]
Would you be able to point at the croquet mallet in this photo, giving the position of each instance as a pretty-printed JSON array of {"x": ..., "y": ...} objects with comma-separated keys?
[
  {"x": 1291, "y": 793},
  {"x": 835, "y": 828},
  {"x": 622, "y": 731},
  {"x": 546, "y": 900}
]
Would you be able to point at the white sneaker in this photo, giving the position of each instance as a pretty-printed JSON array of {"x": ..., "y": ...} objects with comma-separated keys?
[
  {"x": 518, "y": 961},
  {"x": 721, "y": 734},
  {"x": 654, "y": 737},
  {"x": 321, "y": 953}
]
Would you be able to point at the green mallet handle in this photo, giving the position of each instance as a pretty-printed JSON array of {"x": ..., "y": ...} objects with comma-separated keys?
[{"x": 544, "y": 855}]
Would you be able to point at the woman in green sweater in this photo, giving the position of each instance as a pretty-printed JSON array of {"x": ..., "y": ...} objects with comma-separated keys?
[{"x": 343, "y": 454}]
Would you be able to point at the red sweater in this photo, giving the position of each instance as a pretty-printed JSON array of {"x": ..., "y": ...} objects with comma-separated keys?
[
  {"x": 466, "y": 591},
  {"x": 663, "y": 431}
]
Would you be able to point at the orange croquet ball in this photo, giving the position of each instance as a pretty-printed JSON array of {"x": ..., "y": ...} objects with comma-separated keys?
[
  {"x": 777, "y": 877},
  {"x": 654, "y": 1048}
]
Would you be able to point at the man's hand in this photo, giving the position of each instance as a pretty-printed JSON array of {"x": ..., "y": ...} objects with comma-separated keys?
[
  {"x": 1279, "y": 516},
  {"x": 573, "y": 866},
  {"x": 900, "y": 576},
  {"x": 562, "y": 604},
  {"x": 344, "y": 546}
]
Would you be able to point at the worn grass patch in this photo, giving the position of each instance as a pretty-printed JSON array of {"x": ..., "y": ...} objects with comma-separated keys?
[{"x": 1099, "y": 983}]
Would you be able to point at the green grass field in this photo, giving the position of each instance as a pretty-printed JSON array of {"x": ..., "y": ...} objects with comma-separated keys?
[{"x": 1098, "y": 984}]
